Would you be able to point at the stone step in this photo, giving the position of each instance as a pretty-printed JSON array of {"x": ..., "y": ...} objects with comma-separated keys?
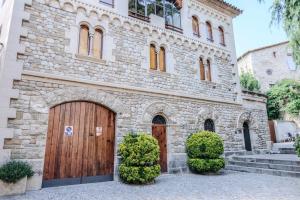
[
  {"x": 266, "y": 160},
  {"x": 266, "y": 166},
  {"x": 263, "y": 171},
  {"x": 243, "y": 152},
  {"x": 287, "y": 151}
]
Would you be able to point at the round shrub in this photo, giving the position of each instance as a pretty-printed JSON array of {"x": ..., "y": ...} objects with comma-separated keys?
[
  {"x": 204, "y": 150},
  {"x": 14, "y": 171},
  {"x": 139, "y": 150},
  {"x": 139, "y": 175},
  {"x": 206, "y": 165},
  {"x": 205, "y": 145},
  {"x": 139, "y": 159}
]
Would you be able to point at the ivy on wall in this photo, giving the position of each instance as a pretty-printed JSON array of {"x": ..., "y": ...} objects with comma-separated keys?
[{"x": 284, "y": 97}]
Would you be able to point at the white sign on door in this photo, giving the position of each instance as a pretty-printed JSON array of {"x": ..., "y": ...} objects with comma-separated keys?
[{"x": 98, "y": 131}]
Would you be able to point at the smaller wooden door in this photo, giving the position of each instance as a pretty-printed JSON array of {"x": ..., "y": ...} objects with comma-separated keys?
[
  {"x": 272, "y": 131},
  {"x": 247, "y": 137},
  {"x": 159, "y": 132}
]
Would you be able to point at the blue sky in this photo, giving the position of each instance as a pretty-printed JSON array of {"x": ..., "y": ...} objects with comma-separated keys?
[{"x": 252, "y": 28}]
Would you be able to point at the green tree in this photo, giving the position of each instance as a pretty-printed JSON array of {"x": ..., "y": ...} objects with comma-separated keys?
[
  {"x": 288, "y": 12},
  {"x": 249, "y": 82},
  {"x": 284, "y": 97}
]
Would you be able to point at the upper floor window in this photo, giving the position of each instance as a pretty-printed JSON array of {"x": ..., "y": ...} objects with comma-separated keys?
[
  {"x": 162, "y": 59},
  {"x": 208, "y": 71},
  {"x": 84, "y": 41},
  {"x": 157, "y": 60},
  {"x": 173, "y": 15},
  {"x": 153, "y": 57},
  {"x": 107, "y": 2},
  {"x": 97, "y": 43},
  {"x": 202, "y": 70},
  {"x": 209, "y": 31},
  {"x": 168, "y": 9},
  {"x": 222, "y": 36},
  {"x": 195, "y": 24},
  {"x": 90, "y": 42}
]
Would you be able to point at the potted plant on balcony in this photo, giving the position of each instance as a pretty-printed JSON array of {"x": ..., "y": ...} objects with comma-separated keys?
[{"x": 13, "y": 177}]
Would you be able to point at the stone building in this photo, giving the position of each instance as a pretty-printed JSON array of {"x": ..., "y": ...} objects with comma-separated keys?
[
  {"x": 77, "y": 75},
  {"x": 270, "y": 64}
]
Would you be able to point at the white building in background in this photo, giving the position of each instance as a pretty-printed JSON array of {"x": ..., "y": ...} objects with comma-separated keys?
[{"x": 270, "y": 64}]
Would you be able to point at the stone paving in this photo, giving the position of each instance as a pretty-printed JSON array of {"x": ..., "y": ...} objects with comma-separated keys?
[{"x": 230, "y": 186}]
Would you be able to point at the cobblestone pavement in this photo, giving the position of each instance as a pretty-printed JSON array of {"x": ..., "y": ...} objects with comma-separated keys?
[{"x": 229, "y": 186}]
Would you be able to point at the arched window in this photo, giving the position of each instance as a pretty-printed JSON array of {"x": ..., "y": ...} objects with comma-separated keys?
[
  {"x": 208, "y": 72},
  {"x": 209, "y": 125},
  {"x": 158, "y": 119},
  {"x": 202, "y": 69},
  {"x": 97, "y": 44},
  {"x": 209, "y": 31},
  {"x": 84, "y": 40},
  {"x": 153, "y": 57},
  {"x": 195, "y": 24},
  {"x": 222, "y": 36},
  {"x": 162, "y": 59}
]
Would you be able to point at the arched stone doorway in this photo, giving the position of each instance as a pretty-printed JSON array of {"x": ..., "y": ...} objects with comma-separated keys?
[
  {"x": 80, "y": 144},
  {"x": 159, "y": 131},
  {"x": 247, "y": 137}
]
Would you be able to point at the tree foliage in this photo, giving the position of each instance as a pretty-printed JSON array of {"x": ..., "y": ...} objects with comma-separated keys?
[
  {"x": 284, "y": 97},
  {"x": 288, "y": 12},
  {"x": 249, "y": 82}
]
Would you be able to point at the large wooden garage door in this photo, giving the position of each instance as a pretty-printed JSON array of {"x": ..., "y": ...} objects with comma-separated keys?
[{"x": 80, "y": 144}]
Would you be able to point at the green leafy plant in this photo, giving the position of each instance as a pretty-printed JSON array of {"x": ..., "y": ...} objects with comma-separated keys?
[
  {"x": 297, "y": 145},
  {"x": 284, "y": 97},
  {"x": 139, "y": 159},
  {"x": 14, "y": 171},
  {"x": 249, "y": 82},
  {"x": 204, "y": 150}
]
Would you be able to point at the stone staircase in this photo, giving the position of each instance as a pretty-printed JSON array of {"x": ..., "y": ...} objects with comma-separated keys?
[{"x": 272, "y": 164}]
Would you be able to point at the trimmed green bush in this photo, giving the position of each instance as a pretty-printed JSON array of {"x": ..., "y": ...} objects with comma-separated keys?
[
  {"x": 297, "y": 145},
  {"x": 206, "y": 165},
  {"x": 205, "y": 145},
  {"x": 14, "y": 171},
  {"x": 204, "y": 150},
  {"x": 139, "y": 175},
  {"x": 139, "y": 159}
]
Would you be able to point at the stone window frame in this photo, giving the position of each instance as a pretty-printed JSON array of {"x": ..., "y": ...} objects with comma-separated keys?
[
  {"x": 158, "y": 48},
  {"x": 91, "y": 33},
  {"x": 209, "y": 31},
  {"x": 222, "y": 36},
  {"x": 195, "y": 19},
  {"x": 208, "y": 69}
]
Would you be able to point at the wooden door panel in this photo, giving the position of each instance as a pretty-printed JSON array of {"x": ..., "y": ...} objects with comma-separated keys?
[
  {"x": 84, "y": 153},
  {"x": 159, "y": 132},
  {"x": 272, "y": 131}
]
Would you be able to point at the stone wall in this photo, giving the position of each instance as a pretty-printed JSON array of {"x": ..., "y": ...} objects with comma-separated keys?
[{"x": 135, "y": 111}]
